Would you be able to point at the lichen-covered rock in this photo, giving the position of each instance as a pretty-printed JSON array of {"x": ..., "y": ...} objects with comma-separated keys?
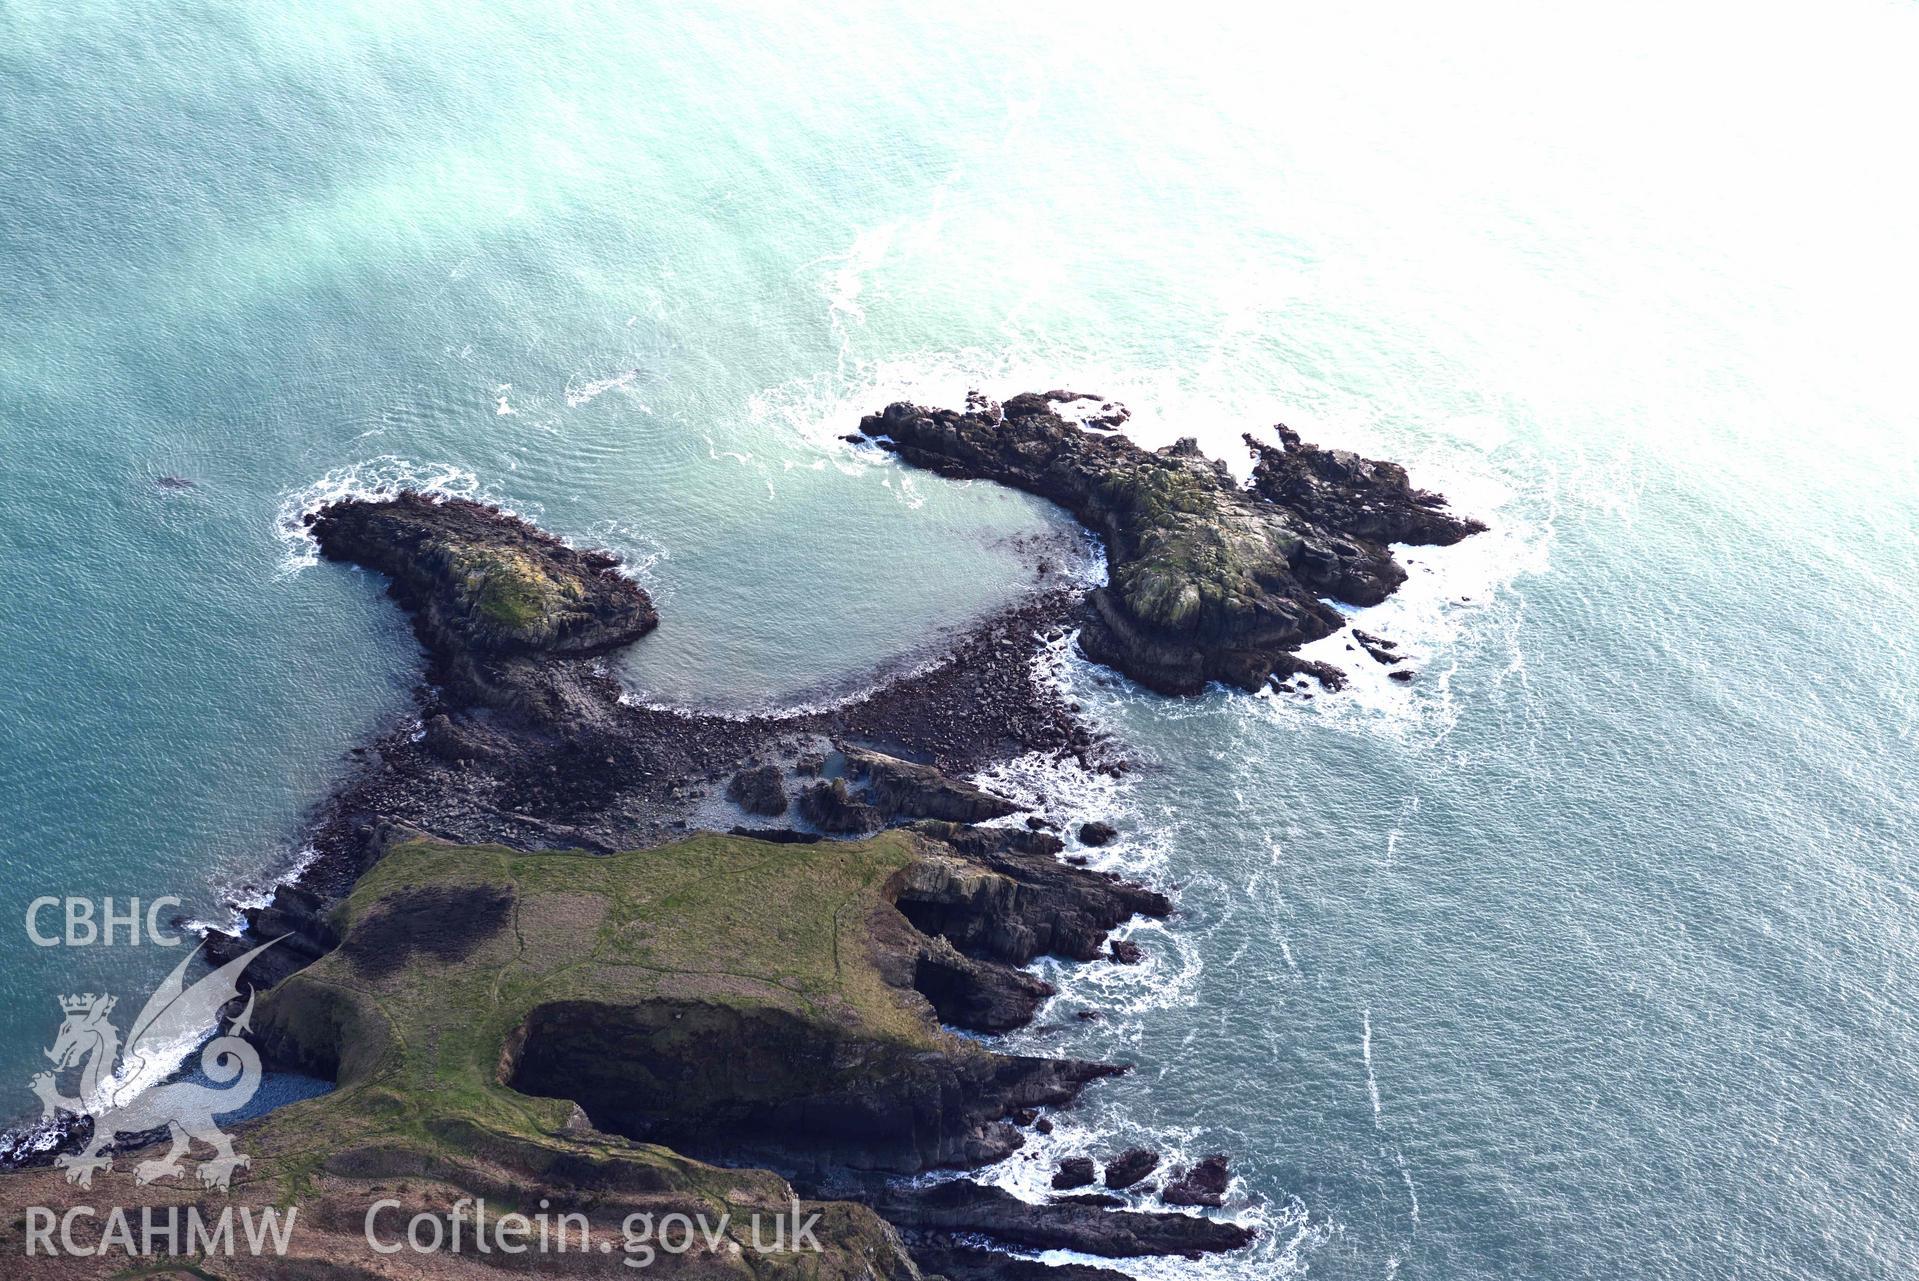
[
  {"x": 482, "y": 581},
  {"x": 1208, "y": 580}
]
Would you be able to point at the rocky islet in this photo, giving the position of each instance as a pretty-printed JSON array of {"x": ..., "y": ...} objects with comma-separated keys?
[{"x": 528, "y": 842}]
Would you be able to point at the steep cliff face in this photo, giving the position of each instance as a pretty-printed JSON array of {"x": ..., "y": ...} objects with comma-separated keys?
[
  {"x": 1208, "y": 580},
  {"x": 730, "y": 997},
  {"x": 721, "y": 998},
  {"x": 736, "y": 1083},
  {"x": 456, "y": 964}
]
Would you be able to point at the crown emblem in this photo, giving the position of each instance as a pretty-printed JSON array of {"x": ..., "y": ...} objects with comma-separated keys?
[{"x": 87, "y": 1002}]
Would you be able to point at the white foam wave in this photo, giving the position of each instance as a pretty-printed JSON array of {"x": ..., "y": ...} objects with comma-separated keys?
[
  {"x": 714, "y": 452},
  {"x": 847, "y": 281},
  {"x": 639, "y": 551},
  {"x": 373, "y": 479},
  {"x": 1406, "y": 1176},
  {"x": 1372, "y": 1091},
  {"x": 1169, "y": 975},
  {"x": 584, "y": 393},
  {"x": 1285, "y": 1233},
  {"x": 251, "y": 894},
  {"x": 1366, "y": 1057},
  {"x": 153, "y": 1066}
]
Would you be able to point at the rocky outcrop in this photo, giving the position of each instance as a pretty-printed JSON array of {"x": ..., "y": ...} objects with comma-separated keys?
[
  {"x": 1202, "y": 1183},
  {"x": 1208, "y": 580},
  {"x": 295, "y": 916},
  {"x": 958, "y": 1209},
  {"x": 1001, "y": 895},
  {"x": 485, "y": 588},
  {"x": 1075, "y": 1172},
  {"x": 740, "y": 1084},
  {"x": 1359, "y": 497},
  {"x": 829, "y": 806},
  {"x": 1379, "y": 649},
  {"x": 968, "y": 1263},
  {"x": 974, "y": 994},
  {"x": 1129, "y": 1167},
  {"x": 759, "y": 789},
  {"x": 908, "y": 789},
  {"x": 1097, "y": 833}
]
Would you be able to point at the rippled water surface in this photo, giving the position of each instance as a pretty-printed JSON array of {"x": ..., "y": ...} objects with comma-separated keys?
[{"x": 1587, "y": 954}]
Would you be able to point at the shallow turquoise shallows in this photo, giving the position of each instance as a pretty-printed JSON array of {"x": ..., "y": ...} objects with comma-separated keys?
[{"x": 1588, "y": 954}]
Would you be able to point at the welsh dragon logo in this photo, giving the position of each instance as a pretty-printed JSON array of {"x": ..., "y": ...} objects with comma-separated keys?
[{"x": 115, "y": 1085}]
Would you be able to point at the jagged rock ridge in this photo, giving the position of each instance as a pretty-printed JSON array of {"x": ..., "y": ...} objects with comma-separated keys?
[{"x": 1208, "y": 579}]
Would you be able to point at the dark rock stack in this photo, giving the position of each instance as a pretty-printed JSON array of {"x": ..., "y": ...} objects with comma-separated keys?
[
  {"x": 828, "y": 806},
  {"x": 1129, "y": 1167},
  {"x": 953, "y": 1211},
  {"x": 1075, "y": 1172},
  {"x": 1203, "y": 1183},
  {"x": 759, "y": 789}
]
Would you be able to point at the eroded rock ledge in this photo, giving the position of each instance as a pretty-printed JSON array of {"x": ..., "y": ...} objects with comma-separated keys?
[{"x": 1208, "y": 579}]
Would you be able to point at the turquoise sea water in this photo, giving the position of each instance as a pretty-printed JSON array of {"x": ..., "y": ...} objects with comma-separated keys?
[{"x": 1589, "y": 954}]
